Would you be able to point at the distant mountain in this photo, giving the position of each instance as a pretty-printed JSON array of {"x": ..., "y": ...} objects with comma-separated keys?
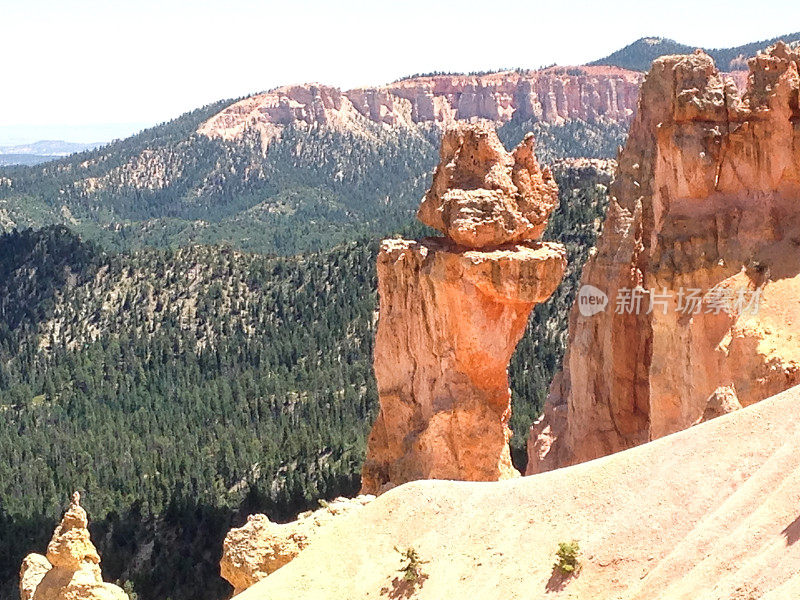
[
  {"x": 41, "y": 151},
  {"x": 639, "y": 55},
  {"x": 49, "y": 148},
  {"x": 25, "y": 159},
  {"x": 305, "y": 167}
]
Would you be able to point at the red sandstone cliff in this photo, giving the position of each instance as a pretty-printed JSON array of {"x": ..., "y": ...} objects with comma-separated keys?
[
  {"x": 703, "y": 227},
  {"x": 552, "y": 95}
]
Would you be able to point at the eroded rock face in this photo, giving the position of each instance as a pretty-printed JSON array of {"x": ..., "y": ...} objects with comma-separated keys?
[
  {"x": 552, "y": 95},
  {"x": 452, "y": 310},
  {"x": 704, "y": 207},
  {"x": 261, "y": 547},
  {"x": 71, "y": 569},
  {"x": 34, "y": 568}
]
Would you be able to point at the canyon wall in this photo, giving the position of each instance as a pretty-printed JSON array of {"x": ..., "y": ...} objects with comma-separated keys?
[
  {"x": 552, "y": 95},
  {"x": 689, "y": 306},
  {"x": 452, "y": 310}
]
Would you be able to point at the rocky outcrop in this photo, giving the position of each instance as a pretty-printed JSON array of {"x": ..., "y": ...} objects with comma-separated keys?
[
  {"x": 698, "y": 260},
  {"x": 722, "y": 402},
  {"x": 452, "y": 310},
  {"x": 552, "y": 95},
  {"x": 71, "y": 568},
  {"x": 261, "y": 547}
]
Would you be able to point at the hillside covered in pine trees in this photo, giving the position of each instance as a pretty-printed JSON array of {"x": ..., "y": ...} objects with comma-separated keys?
[{"x": 311, "y": 189}]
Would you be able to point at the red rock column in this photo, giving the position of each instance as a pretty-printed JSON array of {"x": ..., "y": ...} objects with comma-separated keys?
[
  {"x": 451, "y": 316},
  {"x": 449, "y": 322}
]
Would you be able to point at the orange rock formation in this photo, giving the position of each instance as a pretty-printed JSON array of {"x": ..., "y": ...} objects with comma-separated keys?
[
  {"x": 482, "y": 196},
  {"x": 699, "y": 260},
  {"x": 451, "y": 315},
  {"x": 71, "y": 569}
]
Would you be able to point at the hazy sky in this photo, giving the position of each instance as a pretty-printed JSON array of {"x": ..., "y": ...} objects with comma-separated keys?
[{"x": 89, "y": 70}]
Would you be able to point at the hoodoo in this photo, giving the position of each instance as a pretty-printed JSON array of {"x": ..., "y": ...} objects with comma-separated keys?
[
  {"x": 699, "y": 260},
  {"x": 71, "y": 568},
  {"x": 452, "y": 310}
]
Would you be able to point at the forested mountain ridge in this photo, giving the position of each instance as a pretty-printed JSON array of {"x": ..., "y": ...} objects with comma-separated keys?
[
  {"x": 181, "y": 389},
  {"x": 315, "y": 187},
  {"x": 172, "y": 387},
  {"x": 172, "y": 186},
  {"x": 639, "y": 55},
  {"x": 306, "y": 167},
  {"x": 318, "y": 172}
]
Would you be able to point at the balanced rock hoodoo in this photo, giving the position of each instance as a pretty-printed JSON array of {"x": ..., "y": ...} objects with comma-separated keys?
[
  {"x": 700, "y": 262},
  {"x": 452, "y": 310}
]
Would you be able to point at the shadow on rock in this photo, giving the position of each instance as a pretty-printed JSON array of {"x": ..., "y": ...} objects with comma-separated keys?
[
  {"x": 792, "y": 532},
  {"x": 403, "y": 588},
  {"x": 558, "y": 580}
]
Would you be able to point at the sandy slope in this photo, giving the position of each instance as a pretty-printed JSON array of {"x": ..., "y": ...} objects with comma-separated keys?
[{"x": 709, "y": 513}]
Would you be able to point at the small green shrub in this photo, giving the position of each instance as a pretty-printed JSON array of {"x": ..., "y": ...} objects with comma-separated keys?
[
  {"x": 127, "y": 587},
  {"x": 568, "y": 554},
  {"x": 411, "y": 566}
]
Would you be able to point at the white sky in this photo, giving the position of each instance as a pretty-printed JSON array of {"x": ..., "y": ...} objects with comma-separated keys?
[{"x": 90, "y": 70}]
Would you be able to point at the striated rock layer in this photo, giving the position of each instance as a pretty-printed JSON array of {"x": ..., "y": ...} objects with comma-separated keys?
[
  {"x": 451, "y": 315},
  {"x": 552, "y": 95},
  {"x": 71, "y": 568},
  {"x": 703, "y": 228}
]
